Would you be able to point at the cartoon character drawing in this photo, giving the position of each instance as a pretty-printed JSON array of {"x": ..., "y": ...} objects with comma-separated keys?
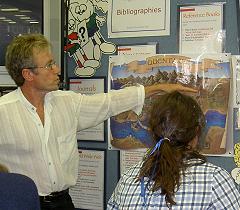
[
  {"x": 73, "y": 46},
  {"x": 84, "y": 41},
  {"x": 236, "y": 171}
]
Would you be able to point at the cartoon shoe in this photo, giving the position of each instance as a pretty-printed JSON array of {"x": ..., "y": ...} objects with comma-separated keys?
[
  {"x": 107, "y": 47},
  {"x": 84, "y": 72}
]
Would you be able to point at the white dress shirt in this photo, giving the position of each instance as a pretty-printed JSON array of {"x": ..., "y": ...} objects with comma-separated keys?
[{"x": 49, "y": 154}]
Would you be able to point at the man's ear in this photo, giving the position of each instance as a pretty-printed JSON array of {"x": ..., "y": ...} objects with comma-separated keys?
[{"x": 27, "y": 74}]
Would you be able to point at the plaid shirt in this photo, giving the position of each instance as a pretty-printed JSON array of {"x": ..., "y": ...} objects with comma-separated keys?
[{"x": 205, "y": 186}]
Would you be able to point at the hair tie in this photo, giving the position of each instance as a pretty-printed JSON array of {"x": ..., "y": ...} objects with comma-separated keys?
[
  {"x": 143, "y": 188},
  {"x": 158, "y": 145}
]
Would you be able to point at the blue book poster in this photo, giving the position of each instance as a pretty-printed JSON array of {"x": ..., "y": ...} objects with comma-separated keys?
[{"x": 206, "y": 78}]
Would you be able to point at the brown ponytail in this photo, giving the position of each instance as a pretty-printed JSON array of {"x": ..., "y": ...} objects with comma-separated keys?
[{"x": 177, "y": 119}]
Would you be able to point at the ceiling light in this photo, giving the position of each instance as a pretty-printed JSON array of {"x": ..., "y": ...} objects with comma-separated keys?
[
  {"x": 7, "y": 20},
  {"x": 25, "y": 11},
  {"x": 25, "y": 18},
  {"x": 9, "y": 10},
  {"x": 19, "y": 15}
]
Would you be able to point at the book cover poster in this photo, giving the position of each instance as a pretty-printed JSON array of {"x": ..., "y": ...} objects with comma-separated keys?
[{"x": 206, "y": 78}]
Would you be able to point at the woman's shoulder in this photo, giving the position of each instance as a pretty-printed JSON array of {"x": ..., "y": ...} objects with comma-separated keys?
[
  {"x": 206, "y": 168},
  {"x": 132, "y": 171}
]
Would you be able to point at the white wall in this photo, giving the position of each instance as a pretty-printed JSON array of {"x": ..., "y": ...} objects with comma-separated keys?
[{"x": 52, "y": 26}]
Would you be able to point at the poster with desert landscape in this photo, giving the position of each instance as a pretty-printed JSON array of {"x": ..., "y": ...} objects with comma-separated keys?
[{"x": 205, "y": 77}]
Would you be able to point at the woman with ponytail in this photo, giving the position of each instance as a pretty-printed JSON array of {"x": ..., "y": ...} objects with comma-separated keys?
[{"x": 173, "y": 174}]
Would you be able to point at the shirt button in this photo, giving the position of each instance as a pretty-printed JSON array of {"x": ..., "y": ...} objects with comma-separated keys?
[
  {"x": 49, "y": 163},
  {"x": 54, "y": 182}
]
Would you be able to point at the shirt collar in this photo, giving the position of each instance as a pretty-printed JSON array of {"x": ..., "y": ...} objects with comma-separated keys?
[
  {"x": 24, "y": 100},
  {"x": 47, "y": 101}
]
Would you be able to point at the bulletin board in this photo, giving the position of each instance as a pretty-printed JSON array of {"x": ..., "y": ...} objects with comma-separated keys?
[{"x": 92, "y": 59}]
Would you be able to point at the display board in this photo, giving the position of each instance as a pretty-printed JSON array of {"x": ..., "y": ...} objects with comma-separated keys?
[{"x": 103, "y": 47}]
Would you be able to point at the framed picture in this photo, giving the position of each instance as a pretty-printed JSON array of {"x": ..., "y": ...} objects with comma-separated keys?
[
  {"x": 89, "y": 191},
  {"x": 90, "y": 86}
]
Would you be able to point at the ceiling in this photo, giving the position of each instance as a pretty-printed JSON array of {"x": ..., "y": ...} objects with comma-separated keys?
[
  {"x": 18, "y": 17},
  {"x": 21, "y": 11}
]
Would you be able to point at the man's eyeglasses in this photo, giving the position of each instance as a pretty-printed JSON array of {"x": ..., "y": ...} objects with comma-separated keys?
[{"x": 48, "y": 66}]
